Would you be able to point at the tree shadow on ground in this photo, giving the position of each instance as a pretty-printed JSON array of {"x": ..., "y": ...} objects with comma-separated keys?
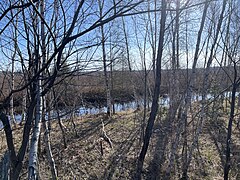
[
  {"x": 217, "y": 130},
  {"x": 89, "y": 128},
  {"x": 162, "y": 134},
  {"x": 119, "y": 163}
]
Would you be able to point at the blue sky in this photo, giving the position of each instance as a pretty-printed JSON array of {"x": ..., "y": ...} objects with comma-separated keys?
[{"x": 189, "y": 19}]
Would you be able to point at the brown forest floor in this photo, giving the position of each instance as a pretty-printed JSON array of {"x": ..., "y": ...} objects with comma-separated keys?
[{"x": 82, "y": 158}]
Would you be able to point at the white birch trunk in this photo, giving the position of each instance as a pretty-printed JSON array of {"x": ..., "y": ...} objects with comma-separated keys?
[
  {"x": 46, "y": 129},
  {"x": 24, "y": 104},
  {"x": 49, "y": 151},
  {"x": 33, "y": 154}
]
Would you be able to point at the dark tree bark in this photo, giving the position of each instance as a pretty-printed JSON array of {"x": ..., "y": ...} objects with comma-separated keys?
[
  {"x": 229, "y": 132},
  {"x": 154, "y": 108},
  {"x": 235, "y": 85}
]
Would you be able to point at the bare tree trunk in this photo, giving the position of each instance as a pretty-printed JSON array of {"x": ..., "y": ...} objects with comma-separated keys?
[
  {"x": 174, "y": 92},
  {"x": 155, "y": 104},
  {"x": 188, "y": 95},
  {"x": 229, "y": 131},
  {"x": 62, "y": 127},
  {"x": 128, "y": 60},
  {"x": 232, "y": 55},
  {"x": 5, "y": 166},
  {"x": 49, "y": 151},
  {"x": 205, "y": 85},
  {"x": 12, "y": 117},
  {"x": 24, "y": 104},
  {"x": 46, "y": 129},
  {"x": 111, "y": 74},
  {"x": 33, "y": 152},
  {"x": 106, "y": 76},
  {"x": 153, "y": 34},
  {"x": 142, "y": 52}
]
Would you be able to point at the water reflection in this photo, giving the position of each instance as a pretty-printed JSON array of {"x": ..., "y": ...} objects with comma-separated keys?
[{"x": 85, "y": 110}]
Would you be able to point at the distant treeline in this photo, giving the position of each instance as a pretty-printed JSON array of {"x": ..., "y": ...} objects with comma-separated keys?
[{"x": 89, "y": 88}]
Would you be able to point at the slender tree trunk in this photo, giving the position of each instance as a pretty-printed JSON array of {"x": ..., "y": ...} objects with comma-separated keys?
[
  {"x": 111, "y": 75},
  {"x": 106, "y": 76},
  {"x": 62, "y": 127},
  {"x": 189, "y": 89},
  {"x": 204, "y": 89},
  {"x": 60, "y": 123},
  {"x": 5, "y": 166},
  {"x": 174, "y": 93},
  {"x": 153, "y": 34},
  {"x": 155, "y": 104},
  {"x": 229, "y": 134},
  {"x": 33, "y": 152},
  {"x": 10, "y": 144},
  {"x": 128, "y": 59},
  {"x": 229, "y": 129},
  {"x": 49, "y": 150},
  {"x": 145, "y": 78},
  {"x": 46, "y": 129},
  {"x": 24, "y": 104},
  {"x": 12, "y": 117},
  {"x": 145, "y": 85}
]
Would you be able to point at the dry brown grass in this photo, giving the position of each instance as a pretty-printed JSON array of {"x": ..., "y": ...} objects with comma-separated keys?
[{"x": 82, "y": 158}]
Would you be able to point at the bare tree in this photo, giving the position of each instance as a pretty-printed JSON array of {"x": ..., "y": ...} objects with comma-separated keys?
[
  {"x": 44, "y": 104},
  {"x": 32, "y": 62},
  {"x": 154, "y": 108},
  {"x": 104, "y": 58},
  {"x": 15, "y": 34},
  {"x": 189, "y": 90},
  {"x": 33, "y": 152},
  {"x": 205, "y": 87},
  {"x": 142, "y": 52},
  {"x": 231, "y": 50}
]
